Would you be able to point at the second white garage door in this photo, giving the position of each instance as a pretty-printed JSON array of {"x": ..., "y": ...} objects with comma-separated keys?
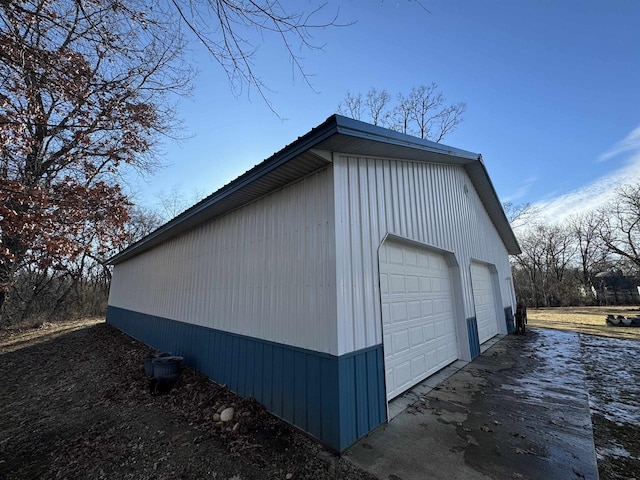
[
  {"x": 484, "y": 299},
  {"x": 417, "y": 315}
]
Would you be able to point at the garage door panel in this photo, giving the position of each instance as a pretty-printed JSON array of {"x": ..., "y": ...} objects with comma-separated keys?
[
  {"x": 396, "y": 283},
  {"x": 418, "y": 365},
  {"x": 388, "y": 374},
  {"x": 388, "y": 352},
  {"x": 386, "y": 314},
  {"x": 412, "y": 368},
  {"x": 414, "y": 309},
  {"x": 384, "y": 283},
  {"x": 427, "y": 307},
  {"x": 394, "y": 255},
  {"x": 423, "y": 259},
  {"x": 410, "y": 257},
  {"x": 401, "y": 352},
  {"x": 418, "y": 322},
  {"x": 413, "y": 284},
  {"x": 403, "y": 373},
  {"x": 416, "y": 336},
  {"x": 441, "y": 329},
  {"x": 398, "y": 312},
  {"x": 485, "y": 302},
  {"x": 399, "y": 342},
  {"x": 429, "y": 332},
  {"x": 443, "y": 355}
]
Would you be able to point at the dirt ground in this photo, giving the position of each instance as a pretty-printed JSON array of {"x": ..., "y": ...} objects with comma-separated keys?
[
  {"x": 74, "y": 403},
  {"x": 611, "y": 356}
]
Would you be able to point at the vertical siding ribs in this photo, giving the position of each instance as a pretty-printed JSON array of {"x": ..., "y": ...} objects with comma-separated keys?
[{"x": 421, "y": 201}]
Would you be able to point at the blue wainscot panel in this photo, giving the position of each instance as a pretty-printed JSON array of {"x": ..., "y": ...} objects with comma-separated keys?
[
  {"x": 337, "y": 399},
  {"x": 474, "y": 339},
  {"x": 508, "y": 318}
]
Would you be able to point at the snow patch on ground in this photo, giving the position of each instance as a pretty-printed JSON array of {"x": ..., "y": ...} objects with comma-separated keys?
[
  {"x": 560, "y": 376},
  {"x": 614, "y": 451},
  {"x": 604, "y": 370},
  {"x": 613, "y": 368}
]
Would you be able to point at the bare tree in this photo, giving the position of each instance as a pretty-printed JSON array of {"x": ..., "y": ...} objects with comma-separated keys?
[
  {"x": 592, "y": 253},
  {"x": 531, "y": 262},
  {"x": 376, "y": 104},
  {"x": 546, "y": 258},
  {"x": 232, "y": 30},
  {"x": 448, "y": 120},
  {"x": 431, "y": 118},
  {"x": 351, "y": 106},
  {"x": 519, "y": 215},
  {"x": 560, "y": 254},
  {"x": 426, "y": 101},
  {"x": 619, "y": 224},
  {"x": 173, "y": 202},
  {"x": 142, "y": 221},
  {"x": 401, "y": 114},
  {"x": 422, "y": 112},
  {"x": 373, "y": 106}
]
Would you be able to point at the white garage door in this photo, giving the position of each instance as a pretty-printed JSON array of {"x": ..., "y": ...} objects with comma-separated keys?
[
  {"x": 484, "y": 298},
  {"x": 417, "y": 315}
]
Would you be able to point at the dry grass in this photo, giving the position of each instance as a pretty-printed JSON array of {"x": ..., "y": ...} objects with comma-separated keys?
[
  {"x": 14, "y": 338},
  {"x": 589, "y": 320}
]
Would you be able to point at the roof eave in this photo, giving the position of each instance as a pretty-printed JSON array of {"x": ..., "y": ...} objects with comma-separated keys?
[
  {"x": 301, "y": 145},
  {"x": 491, "y": 202},
  {"x": 355, "y": 128},
  {"x": 342, "y": 127}
]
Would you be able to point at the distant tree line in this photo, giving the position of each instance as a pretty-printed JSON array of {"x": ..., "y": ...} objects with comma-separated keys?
[
  {"x": 592, "y": 259},
  {"x": 79, "y": 287}
]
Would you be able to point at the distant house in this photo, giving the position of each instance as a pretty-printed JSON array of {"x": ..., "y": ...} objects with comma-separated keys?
[
  {"x": 616, "y": 289},
  {"x": 330, "y": 278}
]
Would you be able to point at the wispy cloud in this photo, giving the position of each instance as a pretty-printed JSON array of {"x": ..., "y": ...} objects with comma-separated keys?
[
  {"x": 522, "y": 190},
  {"x": 599, "y": 192},
  {"x": 631, "y": 143}
]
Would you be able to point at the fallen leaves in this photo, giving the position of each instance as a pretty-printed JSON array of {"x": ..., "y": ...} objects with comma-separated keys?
[
  {"x": 522, "y": 451},
  {"x": 110, "y": 426}
]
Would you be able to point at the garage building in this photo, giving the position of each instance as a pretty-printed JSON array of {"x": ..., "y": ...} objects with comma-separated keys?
[{"x": 330, "y": 278}]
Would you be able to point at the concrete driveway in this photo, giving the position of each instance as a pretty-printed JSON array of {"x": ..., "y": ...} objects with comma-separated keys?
[{"x": 518, "y": 411}]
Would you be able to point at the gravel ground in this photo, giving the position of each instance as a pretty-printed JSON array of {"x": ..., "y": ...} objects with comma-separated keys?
[{"x": 75, "y": 403}]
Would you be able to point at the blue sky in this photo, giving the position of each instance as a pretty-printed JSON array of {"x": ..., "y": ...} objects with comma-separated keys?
[{"x": 552, "y": 91}]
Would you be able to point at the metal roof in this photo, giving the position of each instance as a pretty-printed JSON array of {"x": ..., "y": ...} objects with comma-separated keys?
[{"x": 298, "y": 159}]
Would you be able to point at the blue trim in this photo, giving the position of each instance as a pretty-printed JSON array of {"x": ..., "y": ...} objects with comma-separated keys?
[
  {"x": 337, "y": 399},
  {"x": 508, "y": 317},
  {"x": 474, "y": 340}
]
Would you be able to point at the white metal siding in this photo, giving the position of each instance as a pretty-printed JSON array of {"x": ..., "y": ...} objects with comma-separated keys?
[
  {"x": 266, "y": 270},
  {"x": 419, "y": 334},
  {"x": 423, "y": 202}
]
